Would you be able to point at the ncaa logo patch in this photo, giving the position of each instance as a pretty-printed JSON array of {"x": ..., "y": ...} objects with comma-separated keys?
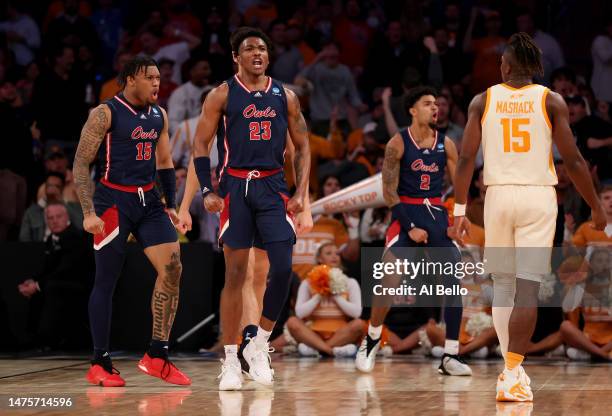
[
  {"x": 276, "y": 91},
  {"x": 155, "y": 110},
  {"x": 440, "y": 146}
]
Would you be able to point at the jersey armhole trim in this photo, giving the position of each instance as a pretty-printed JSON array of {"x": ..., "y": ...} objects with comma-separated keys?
[
  {"x": 544, "y": 112},
  {"x": 486, "y": 109}
]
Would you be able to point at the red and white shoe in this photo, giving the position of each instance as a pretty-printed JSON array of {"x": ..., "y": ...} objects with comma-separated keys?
[
  {"x": 98, "y": 376},
  {"x": 164, "y": 369}
]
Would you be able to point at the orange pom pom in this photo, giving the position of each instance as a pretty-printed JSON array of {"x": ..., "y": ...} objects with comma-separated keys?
[{"x": 318, "y": 278}]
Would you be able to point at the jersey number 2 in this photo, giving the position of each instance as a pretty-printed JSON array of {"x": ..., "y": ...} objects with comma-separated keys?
[
  {"x": 425, "y": 180},
  {"x": 144, "y": 151},
  {"x": 260, "y": 130},
  {"x": 521, "y": 139}
]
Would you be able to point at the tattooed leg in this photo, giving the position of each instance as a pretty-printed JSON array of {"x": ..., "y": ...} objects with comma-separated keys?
[{"x": 164, "y": 303}]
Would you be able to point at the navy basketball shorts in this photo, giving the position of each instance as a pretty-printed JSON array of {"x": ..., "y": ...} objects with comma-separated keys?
[
  {"x": 139, "y": 213},
  {"x": 433, "y": 219},
  {"x": 255, "y": 211}
]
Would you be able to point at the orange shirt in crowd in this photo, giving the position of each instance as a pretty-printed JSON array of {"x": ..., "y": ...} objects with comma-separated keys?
[
  {"x": 109, "y": 89},
  {"x": 304, "y": 251},
  {"x": 586, "y": 234},
  {"x": 308, "y": 54},
  {"x": 354, "y": 39},
  {"x": 259, "y": 15},
  {"x": 487, "y": 55}
]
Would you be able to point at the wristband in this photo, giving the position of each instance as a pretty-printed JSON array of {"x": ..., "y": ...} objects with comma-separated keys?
[
  {"x": 202, "y": 168},
  {"x": 459, "y": 210},
  {"x": 167, "y": 180}
]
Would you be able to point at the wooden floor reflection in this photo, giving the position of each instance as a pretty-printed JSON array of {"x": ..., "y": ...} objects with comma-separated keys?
[{"x": 309, "y": 387}]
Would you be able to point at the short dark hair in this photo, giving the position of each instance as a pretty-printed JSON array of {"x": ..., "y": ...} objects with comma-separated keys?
[
  {"x": 416, "y": 93},
  {"x": 244, "y": 32},
  {"x": 58, "y": 175},
  {"x": 527, "y": 55},
  {"x": 563, "y": 72},
  {"x": 133, "y": 66}
]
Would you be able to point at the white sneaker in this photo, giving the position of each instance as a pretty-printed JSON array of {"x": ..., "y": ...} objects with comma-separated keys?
[
  {"x": 307, "y": 351},
  {"x": 348, "y": 350},
  {"x": 231, "y": 375},
  {"x": 257, "y": 355},
  {"x": 557, "y": 352},
  {"x": 453, "y": 365},
  {"x": 437, "y": 351},
  {"x": 480, "y": 353},
  {"x": 366, "y": 355},
  {"x": 513, "y": 389},
  {"x": 577, "y": 355},
  {"x": 385, "y": 351},
  {"x": 523, "y": 376}
]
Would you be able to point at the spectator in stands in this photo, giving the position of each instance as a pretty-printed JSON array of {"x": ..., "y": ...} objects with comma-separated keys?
[
  {"x": 586, "y": 234},
  {"x": 373, "y": 226},
  {"x": 13, "y": 189},
  {"x": 563, "y": 81},
  {"x": 591, "y": 299},
  {"x": 593, "y": 137},
  {"x": 287, "y": 59},
  {"x": 166, "y": 85},
  {"x": 73, "y": 30},
  {"x": 184, "y": 102},
  {"x": 487, "y": 50},
  {"x": 58, "y": 293},
  {"x": 181, "y": 17},
  {"x": 444, "y": 126},
  {"x": 552, "y": 54},
  {"x": 56, "y": 161},
  {"x": 574, "y": 210},
  {"x": 455, "y": 66},
  {"x": 395, "y": 113},
  {"x": 22, "y": 33},
  {"x": 60, "y": 124},
  {"x": 34, "y": 226},
  {"x": 368, "y": 151},
  {"x": 215, "y": 45},
  {"x": 353, "y": 36},
  {"x": 178, "y": 52},
  {"x": 327, "y": 322},
  {"x": 602, "y": 64},
  {"x": 108, "y": 23},
  {"x": 261, "y": 14},
  {"x": 332, "y": 85},
  {"x": 295, "y": 37},
  {"x": 111, "y": 87},
  {"x": 25, "y": 85}
]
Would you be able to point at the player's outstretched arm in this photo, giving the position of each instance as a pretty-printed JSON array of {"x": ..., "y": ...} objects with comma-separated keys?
[
  {"x": 93, "y": 133},
  {"x": 301, "y": 161},
  {"x": 212, "y": 110},
  {"x": 575, "y": 164}
]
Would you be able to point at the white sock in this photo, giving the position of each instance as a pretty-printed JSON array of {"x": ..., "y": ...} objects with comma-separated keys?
[
  {"x": 263, "y": 334},
  {"x": 451, "y": 347},
  {"x": 231, "y": 352},
  {"x": 375, "y": 331}
]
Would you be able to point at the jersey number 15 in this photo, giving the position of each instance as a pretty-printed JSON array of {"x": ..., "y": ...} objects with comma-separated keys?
[{"x": 520, "y": 140}]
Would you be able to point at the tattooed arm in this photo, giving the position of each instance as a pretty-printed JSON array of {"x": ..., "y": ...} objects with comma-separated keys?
[
  {"x": 93, "y": 133},
  {"x": 301, "y": 161},
  {"x": 391, "y": 170}
]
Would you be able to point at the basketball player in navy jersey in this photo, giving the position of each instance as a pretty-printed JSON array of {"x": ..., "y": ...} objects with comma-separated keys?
[
  {"x": 256, "y": 210},
  {"x": 413, "y": 175},
  {"x": 132, "y": 132}
]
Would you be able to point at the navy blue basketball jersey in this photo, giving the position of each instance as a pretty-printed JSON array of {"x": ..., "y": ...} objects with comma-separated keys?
[
  {"x": 127, "y": 155},
  {"x": 254, "y": 127},
  {"x": 422, "y": 169}
]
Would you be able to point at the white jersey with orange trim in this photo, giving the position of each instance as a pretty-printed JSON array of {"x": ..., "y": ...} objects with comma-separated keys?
[{"x": 517, "y": 137}]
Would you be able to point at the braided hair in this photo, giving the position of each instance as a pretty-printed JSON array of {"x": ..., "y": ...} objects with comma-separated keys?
[{"x": 526, "y": 54}]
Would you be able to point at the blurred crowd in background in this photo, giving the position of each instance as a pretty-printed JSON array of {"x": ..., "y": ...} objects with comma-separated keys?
[{"x": 349, "y": 61}]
